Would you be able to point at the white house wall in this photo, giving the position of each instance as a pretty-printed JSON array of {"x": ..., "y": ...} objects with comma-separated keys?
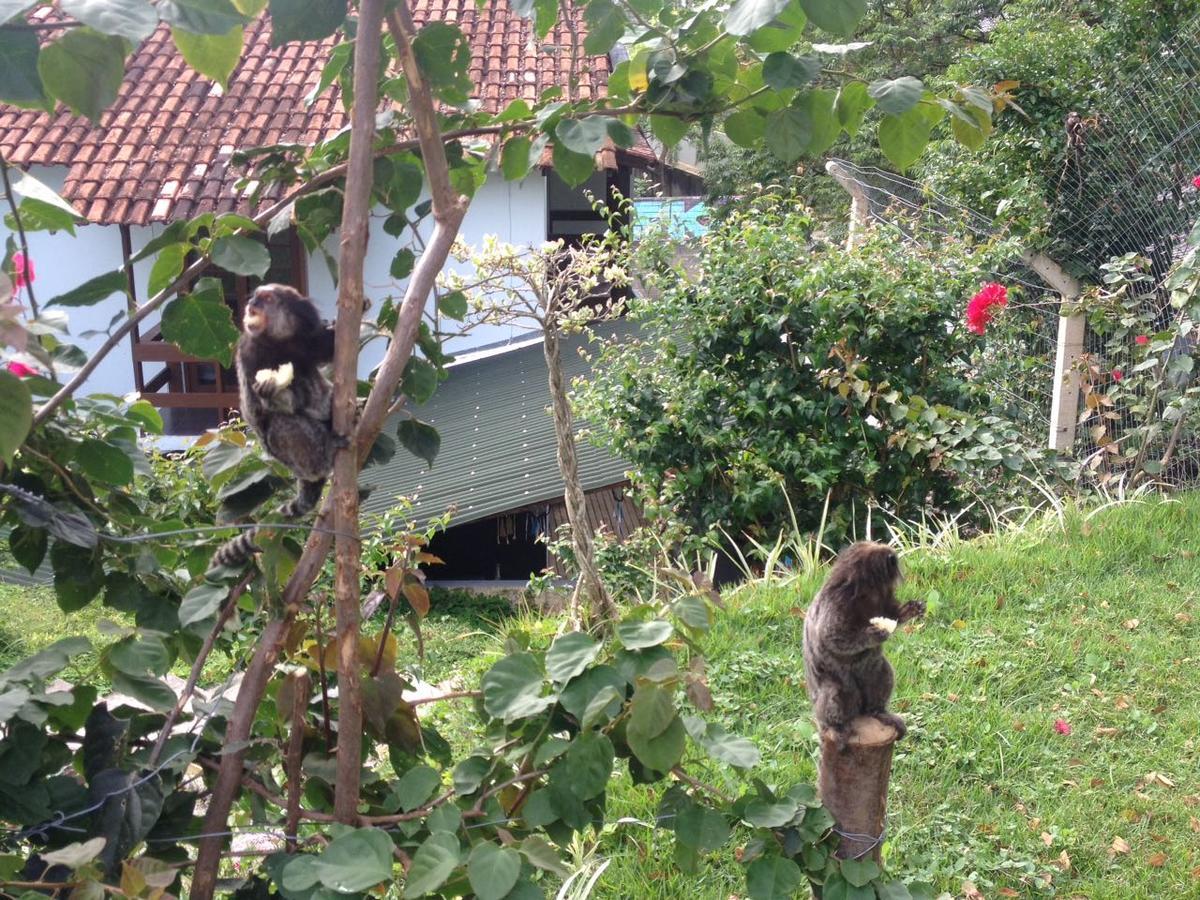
[{"x": 515, "y": 212}]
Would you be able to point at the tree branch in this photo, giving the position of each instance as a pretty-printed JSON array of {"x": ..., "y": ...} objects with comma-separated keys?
[{"x": 16, "y": 214}]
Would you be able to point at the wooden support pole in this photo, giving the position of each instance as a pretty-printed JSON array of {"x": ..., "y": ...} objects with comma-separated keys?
[
  {"x": 1064, "y": 395},
  {"x": 860, "y": 206},
  {"x": 853, "y": 784}
]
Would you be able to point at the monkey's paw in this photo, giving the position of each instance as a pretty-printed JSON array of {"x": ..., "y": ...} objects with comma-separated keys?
[
  {"x": 884, "y": 624},
  {"x": 269, "y": 382},
  {"x": 914, "y": 609}
]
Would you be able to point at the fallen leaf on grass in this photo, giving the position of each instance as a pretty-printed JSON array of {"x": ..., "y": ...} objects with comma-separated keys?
[
  {"x": 1158, "y": 860},
  {"x": 1122, "y": 701},
  {"x": 1007, "y": 892},
  {"x": 1047, "y": 838},
  {"x": 1131, "y": 624},
  {"x": 1194, "y": 824},
  {"x": 1064, "y": 861},
  {"x": 1119, "y": 845},
  {"x": 971, "y": 892},
  {"x": 1102, "y": 731}
]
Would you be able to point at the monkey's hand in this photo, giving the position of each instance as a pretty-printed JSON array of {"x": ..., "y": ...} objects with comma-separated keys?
[
  {"x": 269, "y": 382},
  {"x": 914, "y": 609}
]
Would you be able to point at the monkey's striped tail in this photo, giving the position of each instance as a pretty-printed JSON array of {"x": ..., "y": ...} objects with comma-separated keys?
[{"x": 236, "y": 552}]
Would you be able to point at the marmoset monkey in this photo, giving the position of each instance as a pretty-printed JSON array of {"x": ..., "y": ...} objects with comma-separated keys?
[
  {"x": 856, "y": 610},
  {"x": 285, "y": 398}
]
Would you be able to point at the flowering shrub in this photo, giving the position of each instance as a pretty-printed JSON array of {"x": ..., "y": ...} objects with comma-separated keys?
[{"x": 979, "y": 309}]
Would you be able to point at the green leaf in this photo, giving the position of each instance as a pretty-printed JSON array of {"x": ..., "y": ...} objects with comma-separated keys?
[
  {"x": 747, "y": 16},
  {"x": 668, "y": 129},
  {"x": 583, "y": 688},
  {"x": 838, "y": 888},
  {"x": 782, "y": 32},
  {"x": 27, "y": 545},
  {"x": 662, "y": 752},
  {"x": 201, "y": 325},
  {"x": 903, "y": 138},
  {"x": 420, "y": 380},
  {"x": 304, "y": 20},
  {"x": 514, "y": 158},
  {"x": 132, "y": 19},
  {"x": 892, "y": 890},
  {"x": 93, "y": 290},
  {"x": 453, "y": 305},
  {"x": 836, "y": 16},
  {"x": 897, "y": 95},
  {"x": 765, "y": 813},
  {"x": 788, "y": 133},
  {"x": 201, "y": 602},
  {"x": 200, "y": 16},
  {"x": 639, "y": 635},
  {"x": 154, "y": 693},
  {"x": 493, "y": 870},
  {"x": 817, "y": 105},
  {"x": 512, "y": 688},
  {"x": 432, "y": 864},
  {"x": 84, "y": 70},
  {"x": 541, "y": 853},
  {"x": 584, "y": 136},
  {"x": 167, "y": 266},
  {"x": 720, "y": 744},
  {"x": 212, "y": 55},
  {"x": 851, "y": 106},
  {"x": 745, "y": 127},
  {"x": 20, "y": 83},
  {"x": 860, "y": 872},
  {"x": 417, "y": 786},
  {"x": 16, "y": 412},
  {"x": 444, "y": 55},
  {"x": 573, "y": 168},
  {"x": 402, "y": 263},
  {"x": 570, "y": 654},
  {"x": 139, "y": 656},
  {"x": 972, "y": 127},
  {"x": 587, "y": 765},
  {"x": 701, "y": 828},
  {"x": 104, "y": 461},
  {"x": 782, "y": 70},
  {"x": 241, "y": 255},
  {"x": 773, "y": 878},
  {"x": 651, "y": 710},
  {"x": 356, "y": 861},
  {"x": 606, "y": 25},
  {"x": 419, "y": 439}
]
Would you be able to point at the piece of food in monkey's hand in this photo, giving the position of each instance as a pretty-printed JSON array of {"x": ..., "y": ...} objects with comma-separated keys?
[
  {"x": 275, "y": 378},
  {"x": 884, "y": 623}
]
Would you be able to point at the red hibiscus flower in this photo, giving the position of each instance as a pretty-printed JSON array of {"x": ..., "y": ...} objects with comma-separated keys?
[
  {"x": 22, "y": 270},
  {"x": 20, "y": 369},
  {"x": 979, "y": 309},
  {"x": 1196, "y": 181},
  {"x": 1141, "y": 340},
  {"x": 1062, "y": 726},
  {"x": 1117, "y": 375}
]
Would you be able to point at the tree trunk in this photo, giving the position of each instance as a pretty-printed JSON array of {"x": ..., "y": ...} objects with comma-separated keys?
[
  {"x": 853, "y": 785},
  {"x": 600, "y": 606}
]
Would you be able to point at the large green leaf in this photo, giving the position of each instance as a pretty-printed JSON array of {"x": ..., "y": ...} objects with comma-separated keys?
[
  {"x": 212, "y": 55},
  {"x": 838, "y": 888},
  {"x": 93, "y": 290},
  {"x": 201, "y": 602},
  {"x": 824, "y": 128},
  {"x": 104, "y": 461},
  {"x": 669, "y": 129},
  {"x": 356, "y": 861},
  {"x": 903, "y": 138},
  {"x": 661, "y": 752},
  {"x": 766, "y": 813},
  {"x": 860, "y": 872},
  {"x": 420, "y": 380},
  {"x": 514, "y": 158},
  {"x": 493, "y": 870},
  {"x": 419, "y": 439},
  {"x": 444, "y": 55},
  {"x": 782, "y": 32},
  {"x": 132, "y": 19},
  {"x": 415, "y": 787},
  {"x": 745, "y": 127},
  {"x": 201, "y": 325},
  {"x": 167, "y": 266},
  {"x": 45, "y": 200},
  {"x": 584, "y": 136},
  {"x": 773, "y": 878},
  {"x": 573, "y": 168},
  {"x": 782, "y": 70},
  {"x": 789, "y": 131},
  {"x": 139, "y": 656},
  {"x": 587, "y": 765},
  {"x": 16, "y": 412},
  {"x": 897, "y": 95},
  {"x": 432, "y": 864},
  {"x": 701, "y": 828},
  {"x": 570, "y": 654},
  {"x": 584, "y": 688},
  {"x": 201, "y": 16},
  {"x": 651, "y": 710},
  {"x": 639, "y": 635},
  {"x": 154, "y": 693},
  {"x": 512, "y": 688},
  {"x": 747, "y": 16},
  {"x": 606, "y": 24},
  {"x": 851, "y": 105},
  {"x": 241, "y": 255},
  {"x": 304, "y": 20},
  {"x": 84, "y": 70},
  {"x": 28, "y": 545},
  {"x": 720, "y": 744},
  {"x": 836, "y": 16},
  {"x": 20, "y": 83},
  {"x": 47, "y": 662}
]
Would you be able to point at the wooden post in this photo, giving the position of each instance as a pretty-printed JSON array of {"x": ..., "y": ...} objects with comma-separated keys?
[
  {"x": 1064, "y": 397},
  {"x": 853, "y": 785},
  {"x": 860, "y": 206}
]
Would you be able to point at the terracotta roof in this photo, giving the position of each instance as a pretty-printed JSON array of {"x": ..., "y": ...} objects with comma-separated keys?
[{"x": 161, "y": 152}]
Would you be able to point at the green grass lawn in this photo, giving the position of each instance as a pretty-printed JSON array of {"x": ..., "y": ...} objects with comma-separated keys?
[{"x": 1094, "y": 624}]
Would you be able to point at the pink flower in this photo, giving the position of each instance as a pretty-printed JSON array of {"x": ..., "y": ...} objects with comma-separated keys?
[
  {"x": 979, "y": 309},
  {"x": 21, "y": 370},
  {"x": 1196, "y": 181},
  {"x": 1062, "y": 726},
  {"x": 1141, "y": 340},
  {"x": 1117, "y": 375},
  {"x": 22, "y": 270}
]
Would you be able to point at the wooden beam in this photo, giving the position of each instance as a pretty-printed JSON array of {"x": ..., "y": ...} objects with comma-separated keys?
[{"x": 1064, "y": 390}]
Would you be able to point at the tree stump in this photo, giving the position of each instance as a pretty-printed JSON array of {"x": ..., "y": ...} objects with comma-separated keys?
[{"x": 853, "y": 785}]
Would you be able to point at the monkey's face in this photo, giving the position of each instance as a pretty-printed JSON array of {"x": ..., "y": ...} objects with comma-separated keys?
[
  {"x": 871, "y": 563},
  {"x": 265, "y": 314}
]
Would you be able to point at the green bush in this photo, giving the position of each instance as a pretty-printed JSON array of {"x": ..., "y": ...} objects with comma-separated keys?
[{"x": 791, "y": 367}]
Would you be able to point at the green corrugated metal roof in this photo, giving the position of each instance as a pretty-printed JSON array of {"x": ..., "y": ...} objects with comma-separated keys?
[{"x": 498, "y": 449}]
